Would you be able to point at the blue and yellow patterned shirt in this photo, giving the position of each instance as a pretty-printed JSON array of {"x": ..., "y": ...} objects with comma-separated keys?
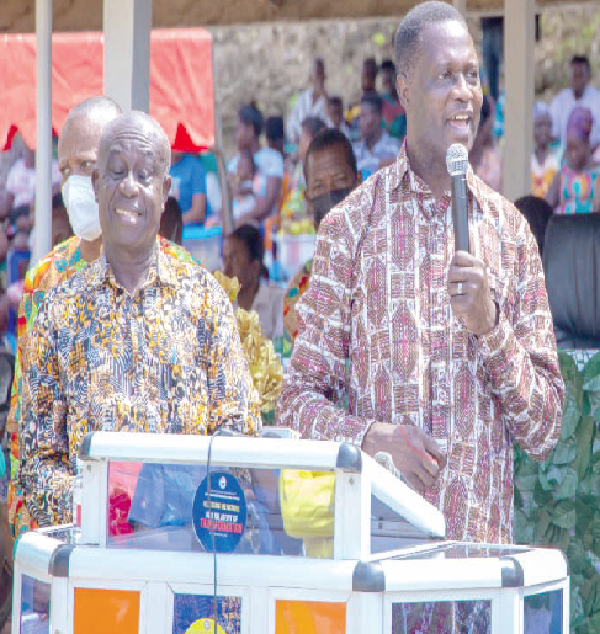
[{"x": 166, "y": 358}]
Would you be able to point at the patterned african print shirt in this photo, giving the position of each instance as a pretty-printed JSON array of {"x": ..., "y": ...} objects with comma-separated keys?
[
  {"x": 166, "y": 358},
  {"x": 60, "y": 264},
  {"x": 377, "y": 297}
]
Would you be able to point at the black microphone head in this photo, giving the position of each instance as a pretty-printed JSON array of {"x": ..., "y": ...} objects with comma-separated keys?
[{"x": 457, "y": 159}]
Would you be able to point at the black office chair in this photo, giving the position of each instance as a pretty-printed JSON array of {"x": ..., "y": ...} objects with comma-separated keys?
[{"x": 572, "y": 265}]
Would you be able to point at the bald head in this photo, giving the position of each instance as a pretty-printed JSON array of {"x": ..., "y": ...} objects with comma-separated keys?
[
  {"x": 138, "y": 127},
  {"x": 80, "y": 136},
  {"x": 132, "y": 183}
]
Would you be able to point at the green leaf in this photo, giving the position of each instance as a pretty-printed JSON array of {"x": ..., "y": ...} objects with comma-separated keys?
[
  {"x": 570, "y": 417},
  {"x": 592, "y": 368},
  {"x": 525, "y": 482},
  {"x": 585, "y": 434},
  {"x": 541, "y": 525},
  {"x": 564, "y": 514},
  {"x": 593, "y": 385},
  {"x": 568, "y": 487},
  {"x": 565, "y": 451}
]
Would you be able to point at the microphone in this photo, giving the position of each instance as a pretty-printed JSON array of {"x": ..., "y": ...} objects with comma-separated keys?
[{"x": 457, "y": 161}]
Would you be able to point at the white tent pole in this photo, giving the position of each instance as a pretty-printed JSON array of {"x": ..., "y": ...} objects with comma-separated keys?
[
  {"x": 226, "y": 211},
  {"x": 519, "y": 63},
  {"x": 43, "y": 200},
  {"x": 461, "y": 5},
  {"x": 127, "y": 25}
]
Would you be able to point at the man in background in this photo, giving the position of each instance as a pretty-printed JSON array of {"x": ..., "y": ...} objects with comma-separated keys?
[
  {"x": 580, "y": 93},
  {"x": 331, "y": 174},
  {"x": 311, "y": 103},
  {"x": 376, "y": 148}
]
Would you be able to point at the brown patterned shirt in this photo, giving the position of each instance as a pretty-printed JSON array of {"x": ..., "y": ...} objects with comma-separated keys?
[
  {"x": 165, "y": 359},
  {"x": 378, "y": 297}
]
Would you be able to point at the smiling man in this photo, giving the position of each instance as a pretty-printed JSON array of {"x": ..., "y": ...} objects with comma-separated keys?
[
  {"x": 451, "y": 356},
  {"x": 150, "y": 343}
]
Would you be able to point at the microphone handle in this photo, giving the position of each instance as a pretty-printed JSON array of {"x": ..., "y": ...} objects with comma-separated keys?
[{"x": 460, "y": 212}]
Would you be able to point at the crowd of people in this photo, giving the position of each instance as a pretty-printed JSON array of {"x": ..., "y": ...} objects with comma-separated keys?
[{"x": 385, "y": 324}]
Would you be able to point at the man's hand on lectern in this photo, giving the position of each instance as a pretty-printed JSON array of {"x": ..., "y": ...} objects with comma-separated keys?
[{"x": 416, "y": 455}]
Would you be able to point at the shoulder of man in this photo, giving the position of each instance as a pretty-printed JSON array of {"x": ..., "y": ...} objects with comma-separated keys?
[
  {"x": 350, "y": 220},
  {"x": 53, "y": 268},
  {"x": 269, "y": 162},
  {"x": 508, "y": 220}
]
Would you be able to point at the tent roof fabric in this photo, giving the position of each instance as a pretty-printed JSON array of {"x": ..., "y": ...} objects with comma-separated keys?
[
  {"x": 82, "y": 15},
  {"x": 181, "y": 82}
]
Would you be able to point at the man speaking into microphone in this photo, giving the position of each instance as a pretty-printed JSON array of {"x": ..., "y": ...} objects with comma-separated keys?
[{"x": 451, "y": 354}]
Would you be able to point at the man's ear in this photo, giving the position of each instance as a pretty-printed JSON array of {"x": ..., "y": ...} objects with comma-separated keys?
[
  {"x": 95, "y": 184},
  {"x": 403, "y": 90}
]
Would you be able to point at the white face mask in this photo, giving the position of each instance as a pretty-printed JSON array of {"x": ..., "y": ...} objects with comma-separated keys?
[{"x": 80, "y": 201}]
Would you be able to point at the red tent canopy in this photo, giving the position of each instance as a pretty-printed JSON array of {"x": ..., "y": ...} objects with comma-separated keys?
[{"x": 181, "y": 83}]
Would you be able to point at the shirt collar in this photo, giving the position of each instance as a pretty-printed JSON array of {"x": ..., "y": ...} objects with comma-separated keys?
[
  {"x": 161, "y": 270},
  {"x": 401, "y": 175}
]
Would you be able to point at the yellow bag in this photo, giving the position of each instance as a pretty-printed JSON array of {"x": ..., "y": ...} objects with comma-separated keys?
[{"x": 307, "y": 500}]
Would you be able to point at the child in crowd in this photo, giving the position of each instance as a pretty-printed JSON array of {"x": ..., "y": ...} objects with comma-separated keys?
[
  {"x": 544, "y": 162},
  {"x": 576, "y": 188}
]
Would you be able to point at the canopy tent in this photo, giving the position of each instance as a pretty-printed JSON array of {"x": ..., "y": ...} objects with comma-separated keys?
[
  {"x": 77, "y": 15},
  {"x": 127, "y": 24},
  {"x": 181, "y": 83}
]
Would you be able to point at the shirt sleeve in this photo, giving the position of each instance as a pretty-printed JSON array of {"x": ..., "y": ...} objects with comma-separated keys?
[
  {"x": 271, "y": 163},
  {"x": 315, "y": 378},
  {"x": 232, "y": 400},
  {"x": 521, "y": 359},
  {"x": 232, "y": 165},
  {"x": 44, "y": 474}
]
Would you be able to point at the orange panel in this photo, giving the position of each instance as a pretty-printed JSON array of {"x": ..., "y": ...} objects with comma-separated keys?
[
  {"x": 101, "y": 611},
  {"x": 310, "y": 617}
]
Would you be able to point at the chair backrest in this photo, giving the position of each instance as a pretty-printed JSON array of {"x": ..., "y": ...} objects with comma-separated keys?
[{"x": 572, "y": 265}]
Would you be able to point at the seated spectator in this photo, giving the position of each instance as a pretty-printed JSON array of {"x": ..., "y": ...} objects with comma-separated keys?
[
  {"x": 188, "y": 187},
  {"x": 368, "y": 75},
  {"x": 269, "y": 164},
  {"x": 274, "y": 134},
  {"x": 247, "y": 186},
  {"x": 579, "y": 94},
  {"x": 171, "y": 222},
  {"x": 311, "y": 103},
  {"x": 544, "y": 163},
  {"x": 335, "y": 111},
  {"x": 61, "y": 227},
  {"x": 394, "y": 116},
  {"x": 484, "y": 156},
  {"x": 21, "y": 181},
  {"x": 376, "y": 148},
  {"x": 576, "y": 188},
  {"x": 331, "y": 174},
  {"x": 537, "y": 212},
  {"x": 243, "y": 253},
  {"x": 368, "y": 85},
  {"x": 294, "y": 206}
]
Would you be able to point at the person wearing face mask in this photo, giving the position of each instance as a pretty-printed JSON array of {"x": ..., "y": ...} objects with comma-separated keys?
[
  {"x": 77, "y": 153},
  {"x": 150, "y": 344},
  {"x": 331, "y": 174}
]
